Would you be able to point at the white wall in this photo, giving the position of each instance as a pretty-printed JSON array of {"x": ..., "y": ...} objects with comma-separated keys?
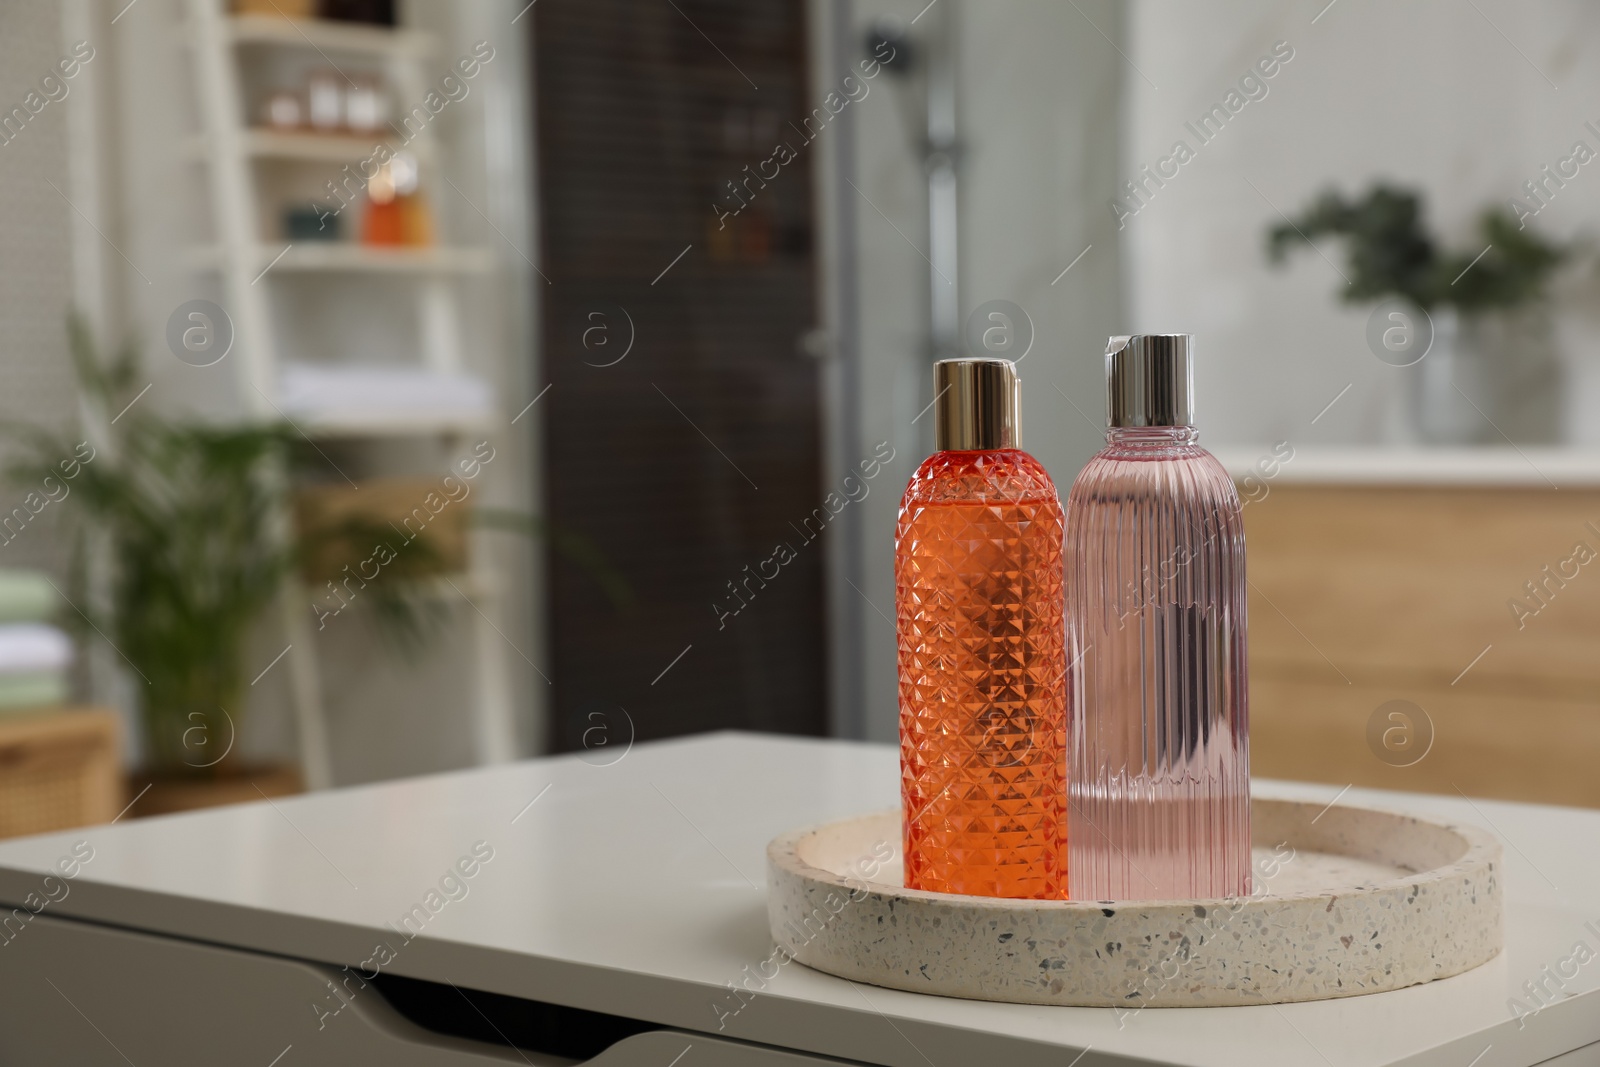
[
  {"x": 43, "y": 271},
  {"x": 36, "y": 280},
  {"x": 1429, "y": 93}
]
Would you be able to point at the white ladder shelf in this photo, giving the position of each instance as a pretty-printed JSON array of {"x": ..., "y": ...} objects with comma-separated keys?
[{"x": 249, "y": 267}]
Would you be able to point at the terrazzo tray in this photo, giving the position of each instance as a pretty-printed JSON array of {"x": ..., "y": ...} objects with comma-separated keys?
[{"x": 1346, "y": 901}]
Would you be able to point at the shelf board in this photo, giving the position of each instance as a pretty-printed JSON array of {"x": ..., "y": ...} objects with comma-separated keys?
[
  {"x": 308, "y": 147},
  {"x": 443, "y": 588},
  {"x": 327, "y": 35},
  {"x": 352, "y": 257},
  {"x": 348, "y": 257},
  {"x": 420, "y": 423}
]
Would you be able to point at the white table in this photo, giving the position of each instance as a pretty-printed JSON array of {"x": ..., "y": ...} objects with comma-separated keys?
[{"x": 635, "y": 889}]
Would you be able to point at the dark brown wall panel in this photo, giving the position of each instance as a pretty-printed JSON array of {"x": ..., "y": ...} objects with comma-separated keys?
[{"x": 642, "y": 122}]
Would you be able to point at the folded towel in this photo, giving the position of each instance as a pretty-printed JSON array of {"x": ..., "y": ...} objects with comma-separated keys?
[
  {"x": 26, "y": 596},
  {"x": 314, "y": 389},
  {"x": 31, "y": 691},
  {"x": 32, "y": 647}
]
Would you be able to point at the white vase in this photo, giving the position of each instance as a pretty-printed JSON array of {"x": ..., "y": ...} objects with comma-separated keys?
[{"x": 1488, "y": 378}]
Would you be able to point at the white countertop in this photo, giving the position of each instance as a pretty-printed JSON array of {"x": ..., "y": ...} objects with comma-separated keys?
[
  {"x": 1503, "y": 465},
  {"x": 636, "y": 889}
]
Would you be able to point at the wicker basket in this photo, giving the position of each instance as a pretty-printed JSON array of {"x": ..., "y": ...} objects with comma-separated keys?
[
  {"x": 58, "y": 770},
  {"x": 397, "y": 504}
]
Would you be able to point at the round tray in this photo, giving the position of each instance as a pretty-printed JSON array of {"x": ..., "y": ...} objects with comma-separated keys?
[{"x": 1347, "y": 901}]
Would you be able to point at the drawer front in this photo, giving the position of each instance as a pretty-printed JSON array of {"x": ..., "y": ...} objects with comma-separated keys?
[{"x": 92, "y": 995}]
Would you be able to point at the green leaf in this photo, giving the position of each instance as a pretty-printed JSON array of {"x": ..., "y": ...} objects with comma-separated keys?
[{"x": 1390, "y": 252}]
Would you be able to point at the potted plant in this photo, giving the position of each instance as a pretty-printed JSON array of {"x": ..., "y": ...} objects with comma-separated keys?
[
  {"x": 1489, "y": 367},
  {"x": 187, "y": 517},
  {"x": 194, "y": 524}
]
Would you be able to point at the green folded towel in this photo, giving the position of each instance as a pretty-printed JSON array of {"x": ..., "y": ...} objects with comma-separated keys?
[
  {"x": 26, "y": 596},
  {"x": 31, "y": 690}
]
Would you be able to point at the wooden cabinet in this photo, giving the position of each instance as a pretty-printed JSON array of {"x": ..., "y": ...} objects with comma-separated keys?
[{"x": 1360, "y": 596}]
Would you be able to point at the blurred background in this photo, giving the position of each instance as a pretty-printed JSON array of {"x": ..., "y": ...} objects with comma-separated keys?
[{"x": 394, "y": 387}]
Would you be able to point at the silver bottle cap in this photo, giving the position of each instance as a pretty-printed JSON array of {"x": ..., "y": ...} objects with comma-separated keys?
[
  {"x": 976, "y": 405},
  {"x": 1150, "y": 380}
]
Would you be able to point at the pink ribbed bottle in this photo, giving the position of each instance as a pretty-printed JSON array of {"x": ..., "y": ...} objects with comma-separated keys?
[{"x": 1159, "y": 751}]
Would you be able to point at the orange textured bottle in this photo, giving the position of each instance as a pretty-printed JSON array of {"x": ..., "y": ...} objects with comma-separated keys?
[{"x": 982, "y": 649}]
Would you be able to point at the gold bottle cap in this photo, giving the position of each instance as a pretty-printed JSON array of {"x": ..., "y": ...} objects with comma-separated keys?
[{"x": 977, "y": 405}]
